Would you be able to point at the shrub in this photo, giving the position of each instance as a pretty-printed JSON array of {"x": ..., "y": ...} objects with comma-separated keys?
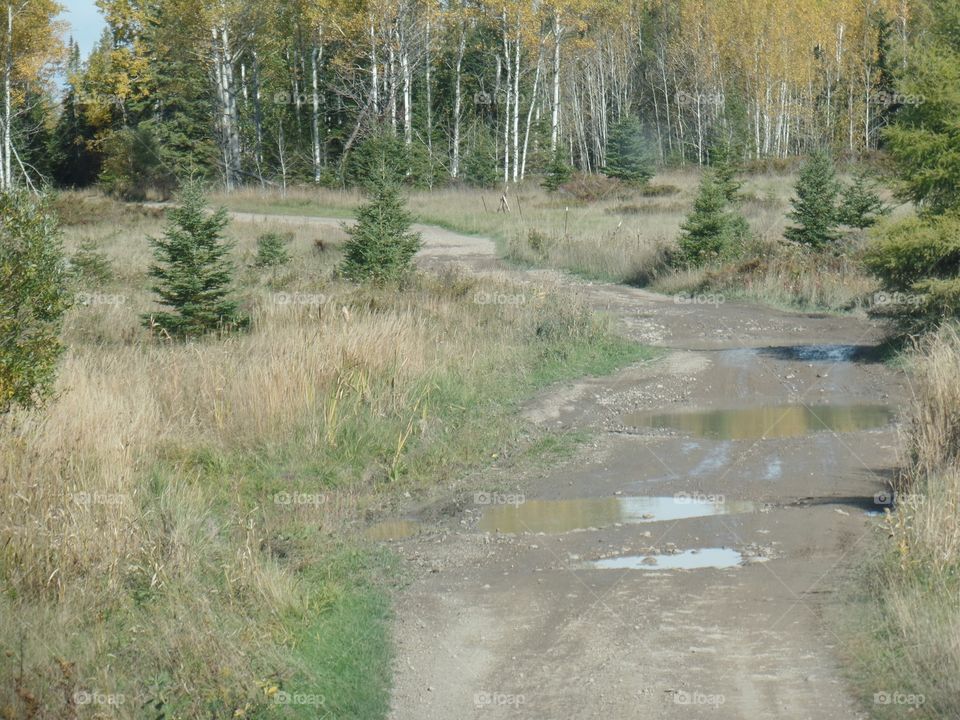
[
  {"x": 272, "y": 250},
  {"x": 628, "y": 156},
  {"x": 588, "y": 187},
  {"x": 712, "y": 230},
  {"x": 381, "y": 247},
  {"x": 815, "y": 204},
  {"x": 558, "y": 173},
  {"x": 918, "y": 260},
  {"x": 860, "y": 204},
  {"x": 193, "y": 273},
  {"x": 90, "y": 263},
  {"x": 33, "y": 299},
  {"x": 132, "y": 165}
]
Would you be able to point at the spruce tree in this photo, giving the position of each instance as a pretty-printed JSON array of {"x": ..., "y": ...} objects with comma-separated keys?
[
  {"x": 558, "y": 172},
  {"x": 272, "y": 250},
  {"x": 724, "y": 164},
  {"x": 193, "y": 272},
  {"x": 815, "y": 212},
  {"x": 381, "y": 247},
  {"x": 628, "y": 157},
  {"x": 713, "y": 229},
  {"x": 860, "y": 205}
]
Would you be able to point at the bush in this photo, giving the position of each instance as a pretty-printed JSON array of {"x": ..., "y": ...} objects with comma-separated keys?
[
  {"x": 628, "y": 156},
  {"x": 132, "y": 165},
  {"x": 588, "y": 187},
  {"x": 90, "y": 263},
  {"x": 558, "y": 172},
  {"x": 918, "y": 261},
  {"x": 272, "y": 250},
  {"x": 815, "y": 204},
  {"x": 381, "y": 247},
  {"x": 480, "y": 161},
  {"x": 860, "y": 204},
  {"x": 33, "y": 299},
  {"x": 713, "y": 230},
  {"x": 193, "y": 273}
]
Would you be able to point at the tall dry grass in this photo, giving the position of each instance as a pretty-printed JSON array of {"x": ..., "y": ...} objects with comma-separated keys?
[
  {"x": 906, "y": 624},
  {"x": 167, "y": 523}
]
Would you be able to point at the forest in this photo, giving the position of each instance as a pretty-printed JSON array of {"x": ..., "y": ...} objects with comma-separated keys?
[{"x": 282, "y": 92}]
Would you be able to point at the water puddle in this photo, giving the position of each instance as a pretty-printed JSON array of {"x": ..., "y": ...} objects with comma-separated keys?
[
  {"x": 686, "y": 560},
  {"x": 824, "y": 353},
  {"x": 766, "y": 421},
  {"x": 392, "y": 530},
  {"x": 558, "y": 516}
]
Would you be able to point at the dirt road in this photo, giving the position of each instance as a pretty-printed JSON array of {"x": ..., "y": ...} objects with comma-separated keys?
[{"x": 679, "y": 564}]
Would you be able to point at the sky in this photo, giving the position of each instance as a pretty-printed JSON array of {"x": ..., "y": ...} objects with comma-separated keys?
[{"x": 86, "y": 23}]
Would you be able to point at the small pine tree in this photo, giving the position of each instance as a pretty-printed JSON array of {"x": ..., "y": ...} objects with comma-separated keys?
[
  {"x": 558, "y": 172},
  {"x": 33, "y": 299},
  {"x": 480, "y": 162},
  {"x": 712, "y": 230},
  {"x": 724, "y": 164},
  {"x": 860, "y": 204},
  {"x": 193, "y": 272},
  {"x": 815, "y": 205},
  {"x": 272, "y": 250},
  {"x": 628, "y": 157},
  {"x": 381, "y": 247}
]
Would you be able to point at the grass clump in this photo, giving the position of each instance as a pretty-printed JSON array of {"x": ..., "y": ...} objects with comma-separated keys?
[{"x": 903, "y": 619}]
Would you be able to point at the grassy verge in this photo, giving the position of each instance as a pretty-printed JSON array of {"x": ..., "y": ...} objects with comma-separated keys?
[
  {"x": 181, "y": 530},
  {"x": 622, "y": 235},
  {"x": 902, "y": 621}
]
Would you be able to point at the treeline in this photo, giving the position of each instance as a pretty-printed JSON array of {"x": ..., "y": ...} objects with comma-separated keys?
[{"x": 283, "y": 91}]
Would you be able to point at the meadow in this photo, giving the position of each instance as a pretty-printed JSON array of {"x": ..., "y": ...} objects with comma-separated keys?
[{"x": 183, "y": 525}]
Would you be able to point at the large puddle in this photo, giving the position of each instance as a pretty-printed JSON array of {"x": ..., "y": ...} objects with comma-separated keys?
[
  {"x": 686, "y": 560},
  {"x": 824, "y": 353},
  {"x": 558, "y": 516},
  {"x": 767, "y": 421}
]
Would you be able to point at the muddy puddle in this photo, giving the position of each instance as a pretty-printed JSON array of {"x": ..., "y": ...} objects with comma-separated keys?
[
  {"x": 558, "y": 516},
  {"x": 392, "y": 530},
  {"x": 686, "y": 560},
  {"x": 766, "y": 421},
  {"x": 821, "y": 353}
]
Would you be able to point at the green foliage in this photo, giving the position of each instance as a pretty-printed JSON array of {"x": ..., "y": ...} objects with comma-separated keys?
[
  {"x": 480, "y": 161},
  {"x": 90, "y": 263},
  {"x": 406, "y": 164},
  {"x": 918, "y": 260},
  {"x": 860, "y": 204},
  {"x": 815, "y": 204},
  {"x": 193, "y": 272},
  {"x": 132, "y": 164},
  {"x": 924, "y": 140},
  {"x": 381, "y": 247},
  {"x": 725, "y": 167},
  {"x": 33, "y": 299},
  {"x": 272, "y": 250},
  {"x": 558, "y": 172},
  {"x": 713, "y": 230},
  {"x": 628, "y": 156}
]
